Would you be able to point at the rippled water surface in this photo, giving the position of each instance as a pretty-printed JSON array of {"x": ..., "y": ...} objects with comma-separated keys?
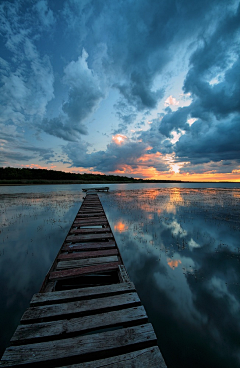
[{"x": 180, "y": 246}]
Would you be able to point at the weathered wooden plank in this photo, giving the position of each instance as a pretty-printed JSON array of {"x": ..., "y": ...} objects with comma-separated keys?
[
  {"x": 76, "y": 263},
  {"x": 77, "y": 308},
  {"x": 90, "y": 223},
  {"x": 90, "y": 214},
  {"x": 45, "y": 331},
  {"x": 123, "y": 275},
  {"x": 80, "y": 294},
  {"x": 80, "y": 348},
  {"x": 66, "y": 274},
  {"x": 90, "y": 230},
  {"x": 93, "y": 218},
  {"x": 144, "y": 358},
  {"x": 82, "y": 255},
  {"x": 82, "y": 237},
  {"x": 88, "y": 246},
  {"x": 83, "y": 211},
  {"x": 92, "y": 207}
]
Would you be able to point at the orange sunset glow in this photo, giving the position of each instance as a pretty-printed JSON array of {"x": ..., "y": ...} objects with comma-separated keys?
[
  {"x": 173, "y": 263},
  {"x": 118, "y": 138},
  {"x": 120, "y": 227}
]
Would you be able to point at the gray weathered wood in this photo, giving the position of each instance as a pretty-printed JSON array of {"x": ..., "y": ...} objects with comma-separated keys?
[
  {"x": 82, "y": 237},
  {"x": 123, "y": 275},
  {"x": 66, "y": 274},
  {"x": 63, "y": 310},
  {"x": 88, "y": 237},
  {"x": 90, "y": 207},
  {"x": 75, "y": 263},
  {"x": 90, "y": 230},
  {"x": 90, "y": 214},
  {"x": 28, "y": 334},
  {"x": 87, "y": 246},
  {"x": 92, "y": 254},
  {"x": 145, "y": 358},
  {"x": 83, "y": 211},
  {"x": 96, "y": 222},
  {"x": 80, "y": 348},
  {"x": 101, "y": 217},
  {"x": 79, "y": 294}
]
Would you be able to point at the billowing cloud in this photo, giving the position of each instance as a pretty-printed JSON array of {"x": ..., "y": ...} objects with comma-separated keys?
[
  {"x": 171, "y": 101},
  {"x": 122, "y": 156},
  {"x": 83, "y": 97},
  {"x": 102, "y": 68},
  {"x": 214, "y": 133}
]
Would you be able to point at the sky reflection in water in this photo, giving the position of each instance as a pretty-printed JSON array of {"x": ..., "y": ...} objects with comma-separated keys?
[
  {"x": 33, "y": 227},
  {"x": 180, "y": 247}
]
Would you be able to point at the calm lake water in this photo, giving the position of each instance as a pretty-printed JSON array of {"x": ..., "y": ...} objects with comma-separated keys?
[{"x": 180, "y": 245}]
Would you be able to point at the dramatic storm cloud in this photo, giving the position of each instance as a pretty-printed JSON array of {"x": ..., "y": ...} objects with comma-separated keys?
[{"x": 163, "y": 75}]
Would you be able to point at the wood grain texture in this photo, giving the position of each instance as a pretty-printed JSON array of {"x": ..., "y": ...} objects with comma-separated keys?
[
  {"x": 96, "y": 222},
  {"x": 90, "y": 230},
  {"x": 123, "y": 275},
  {"x": 88, "y": 246},
  {"x": 93, "y": 218},
  {"x": 90, "y": 214},
  {"x": 80, "y": 294},
  {"x": 72, "y": 309},
  {"x": 38, "y": 332},
  {"x": 84, "y": 211},
  {"x": 145, "y": 358},
  {"x": 80, "y": 348},
  {"x": 76, "y": 263},
  {"x": 82, "y": 255},
  {"x": 89, "y": 237},
  {"x": 66, "y": 274}
]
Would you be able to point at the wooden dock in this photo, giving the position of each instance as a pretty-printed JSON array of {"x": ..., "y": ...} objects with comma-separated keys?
[
  {"x": 87, "y": 313},
  {"x": 97, "y": 189}
]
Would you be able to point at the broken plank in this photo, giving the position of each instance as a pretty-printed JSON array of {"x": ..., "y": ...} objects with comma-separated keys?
[
  {"x": 149, "y": 357},
  {"x": 82, "y": 237},
  {"x": 76, "y": 308},
  {"x": 82, "y": 255},
  {"x": 45, "y": 331},
  {"x": 66, "y": 274},
  {"x": 78, "y": 263},
  {"x": 65, "y": 296},
  {"x": 80, "y": 348}
]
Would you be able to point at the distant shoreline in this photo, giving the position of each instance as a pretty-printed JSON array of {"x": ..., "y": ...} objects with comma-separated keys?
[{"x": 25, "y": 182}]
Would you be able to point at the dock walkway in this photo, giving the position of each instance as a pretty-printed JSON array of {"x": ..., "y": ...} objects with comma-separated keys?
[{"x": 87, "y": 313}]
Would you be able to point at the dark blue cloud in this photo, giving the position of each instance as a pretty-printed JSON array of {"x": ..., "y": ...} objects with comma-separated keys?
[
  {"x": 213, "y": 80},
  {"x": 60, "y": 59}
]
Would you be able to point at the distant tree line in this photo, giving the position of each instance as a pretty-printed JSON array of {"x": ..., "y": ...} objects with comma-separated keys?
[{"x": 12, "y": 173}]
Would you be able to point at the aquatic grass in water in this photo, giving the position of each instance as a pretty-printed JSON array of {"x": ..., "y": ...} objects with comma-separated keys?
[
  {"x": 33, "y": 227},
  {"x": 180, "y": 247}
]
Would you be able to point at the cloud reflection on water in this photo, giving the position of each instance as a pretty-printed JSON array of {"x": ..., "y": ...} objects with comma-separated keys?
[
  {"x": 33, "y": 229},
  {"x": 181, "y": 249}
]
